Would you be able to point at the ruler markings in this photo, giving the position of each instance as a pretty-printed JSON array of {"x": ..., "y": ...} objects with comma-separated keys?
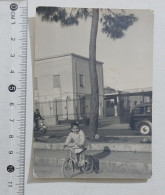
[
  {"x": 22, "y": 138},
  {"x": 21, "y": 124},
  {"x": 19, "y": 153},
  {"x": 22, "y": 141},
  {"x": 21, "y": 170},
  {"x": 21, "y": 145},
  {"x": 22, "y": 108},
  {"x": 18, "y": 183},
  {"x": 21, "y": 173},
  {"x": 18, "y": 48},
  {"x": 21, "y": 129},
  {"x": 22, "y": 79},
  {"x": 22, "y": 56}
]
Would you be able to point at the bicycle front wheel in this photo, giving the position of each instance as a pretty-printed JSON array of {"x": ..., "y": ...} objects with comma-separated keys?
[{"x": 68, "y": 168}]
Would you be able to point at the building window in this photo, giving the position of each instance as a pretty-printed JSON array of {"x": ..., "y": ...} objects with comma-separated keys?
[
  {"x": 81, "y": 80},
  {"x": 56, "y": 81},
  {"x": 35, "y": 84}
]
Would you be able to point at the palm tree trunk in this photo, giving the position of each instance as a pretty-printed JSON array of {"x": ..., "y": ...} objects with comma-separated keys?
[{"x": 93, "y": 75}]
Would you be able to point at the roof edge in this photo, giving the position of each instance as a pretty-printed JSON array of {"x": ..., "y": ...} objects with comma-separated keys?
[{"x": 63, "y": 55}]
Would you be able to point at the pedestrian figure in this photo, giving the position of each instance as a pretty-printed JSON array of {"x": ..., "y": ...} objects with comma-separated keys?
[{"x": 37, "y": 117}]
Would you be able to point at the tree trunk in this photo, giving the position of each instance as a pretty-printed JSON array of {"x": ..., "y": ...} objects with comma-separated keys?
[{"x": 93, "y": 75}]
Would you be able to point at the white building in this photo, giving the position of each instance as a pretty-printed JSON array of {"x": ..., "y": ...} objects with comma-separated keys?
[{"x": 62, "y": 87}]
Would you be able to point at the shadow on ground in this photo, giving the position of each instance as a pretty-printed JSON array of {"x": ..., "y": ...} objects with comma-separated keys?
[{"x": 106, "y": 152}]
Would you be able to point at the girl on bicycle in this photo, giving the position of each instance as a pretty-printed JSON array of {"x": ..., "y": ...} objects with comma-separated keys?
[{"x": 77, "y": 136}]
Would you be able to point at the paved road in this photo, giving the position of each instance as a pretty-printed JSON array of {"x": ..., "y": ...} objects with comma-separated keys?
[
  {"x": 110, "y": 130},
  {"x": 48, "y": 164},
  {"x": 107, "y": 127}
]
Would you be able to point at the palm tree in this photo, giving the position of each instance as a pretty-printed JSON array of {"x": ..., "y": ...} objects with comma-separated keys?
[{"x": 114, "y": 23}]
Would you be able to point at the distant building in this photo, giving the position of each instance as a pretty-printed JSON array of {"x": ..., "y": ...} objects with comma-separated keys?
[
  {"x": 62, "y": 88},
  {"x": 120, "y": 103},
  {"x": 108, "y": 90}
]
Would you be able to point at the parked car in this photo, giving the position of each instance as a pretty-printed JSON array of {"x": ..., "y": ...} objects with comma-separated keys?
[{"x": 141, "y": 118}]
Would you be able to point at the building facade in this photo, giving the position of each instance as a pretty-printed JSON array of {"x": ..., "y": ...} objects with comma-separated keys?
[{"x": 62, "y": 88}]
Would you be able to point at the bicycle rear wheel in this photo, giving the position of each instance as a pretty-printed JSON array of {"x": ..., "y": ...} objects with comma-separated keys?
[
  {"x": 88, "y": 164},
  {"x": 68, "y": 168}
]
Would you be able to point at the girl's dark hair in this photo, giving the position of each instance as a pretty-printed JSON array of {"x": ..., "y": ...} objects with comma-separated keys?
[{"x": 74, "y": 124}]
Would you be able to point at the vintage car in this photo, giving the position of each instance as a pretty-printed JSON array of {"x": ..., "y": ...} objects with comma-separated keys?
[{"x": 141, "y": 118}]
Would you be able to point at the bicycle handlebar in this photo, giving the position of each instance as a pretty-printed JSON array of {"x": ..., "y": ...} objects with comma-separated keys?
[{"x": 75, "y": 146}]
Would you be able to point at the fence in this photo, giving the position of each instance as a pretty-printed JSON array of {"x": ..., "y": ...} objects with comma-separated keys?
[{"x": 61, "y": 111}]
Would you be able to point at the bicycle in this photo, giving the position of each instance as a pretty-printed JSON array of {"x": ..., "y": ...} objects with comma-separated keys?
[{"x": 71, "y": 164}]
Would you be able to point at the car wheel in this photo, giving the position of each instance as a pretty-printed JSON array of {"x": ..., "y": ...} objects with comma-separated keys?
[{"x": 144, "y": 129}]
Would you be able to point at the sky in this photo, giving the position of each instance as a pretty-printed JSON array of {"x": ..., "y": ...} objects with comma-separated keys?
[{"x": 128, "y": 61}]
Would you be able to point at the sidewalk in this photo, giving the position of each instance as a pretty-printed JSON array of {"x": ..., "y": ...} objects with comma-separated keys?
[
  {"x": 103, "y": 126},
  {"x": 124, "y": 162},
  {"x": 127, "y": 144}
]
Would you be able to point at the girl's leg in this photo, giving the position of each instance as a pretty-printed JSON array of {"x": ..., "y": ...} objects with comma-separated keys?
[
  {"x": 78, "y": 157},
  {"x": 82, "y": 158}
]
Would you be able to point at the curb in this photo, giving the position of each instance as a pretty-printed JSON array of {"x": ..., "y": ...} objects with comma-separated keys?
[{"x": 117, "y": 147}]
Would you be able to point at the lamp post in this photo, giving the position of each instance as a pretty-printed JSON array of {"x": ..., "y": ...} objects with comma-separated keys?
[
  {"x": 67, "y": 99},
  {"x": 56, "y": 118}
]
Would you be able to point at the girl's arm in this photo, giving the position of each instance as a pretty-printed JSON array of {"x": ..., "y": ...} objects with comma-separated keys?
[
  {"x": 68, "y": 139},
  {"x": 82, "y": 138}
]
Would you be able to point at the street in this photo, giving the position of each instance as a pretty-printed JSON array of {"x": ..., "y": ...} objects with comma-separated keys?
[
  {"x": 107, "y": 127},
  {"x": 48, "y": 164},
  {"x": 108, "y": 131},
  {"x": 113, "y": 130},
  {"x": 56, "y": 172},
  {"x": 126, "y": 155}
]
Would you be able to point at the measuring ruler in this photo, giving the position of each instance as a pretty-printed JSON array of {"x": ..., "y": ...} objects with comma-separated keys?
[{"x": 13, "y": 63}]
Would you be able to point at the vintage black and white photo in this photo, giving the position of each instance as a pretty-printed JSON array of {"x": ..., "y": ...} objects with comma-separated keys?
[{"x": 92, "y": 82}]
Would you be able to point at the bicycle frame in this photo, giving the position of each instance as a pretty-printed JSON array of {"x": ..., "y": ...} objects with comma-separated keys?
[
  {"x": 73, "y": 155},
  {"x": 72, "y": 163}
]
